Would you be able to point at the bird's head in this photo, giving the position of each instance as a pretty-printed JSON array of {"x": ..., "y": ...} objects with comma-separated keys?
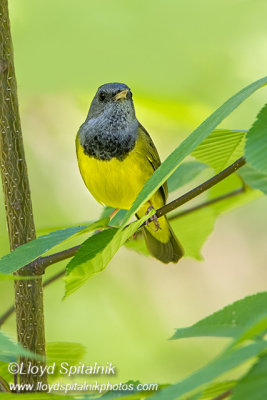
[{"x": 112, "y": 100}]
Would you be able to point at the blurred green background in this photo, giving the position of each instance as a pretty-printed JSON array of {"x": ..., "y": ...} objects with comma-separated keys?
[{"x": 182, "y": 59}]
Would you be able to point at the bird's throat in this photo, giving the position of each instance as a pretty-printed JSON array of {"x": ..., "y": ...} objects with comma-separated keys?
[{"x": 106, "y": 144}]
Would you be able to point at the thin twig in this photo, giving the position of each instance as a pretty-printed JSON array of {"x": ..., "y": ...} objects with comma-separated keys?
[
  {"x": 207, "y": 203},
  {"x": 223, "y": 395},
  {"x": 10, "y": 311},
  {"x": 201, "y": 188},
  {"x": 46, "y": 261},
  {"x": 42, "y": 262}
]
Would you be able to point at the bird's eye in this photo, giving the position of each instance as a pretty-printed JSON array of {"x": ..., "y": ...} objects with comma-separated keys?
[
  {"x": 102, "y": 96},
  {"x": 131, "y": 95}
]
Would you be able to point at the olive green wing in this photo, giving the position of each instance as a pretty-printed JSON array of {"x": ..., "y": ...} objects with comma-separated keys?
[{"x": 152, "y": 156}]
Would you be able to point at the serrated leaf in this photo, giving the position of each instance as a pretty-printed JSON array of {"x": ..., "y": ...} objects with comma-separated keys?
[
  {"x": 254, "y": 330},
  {"x": 193, "y": 230},
  {"x": 254, "y": 178},
  {"x": 231, "y": 321},
  {"x": 86, "y": 262},
  {"x": 253, "y": 384},
  {"x": 221, "y": 148},
  {"x": 256, "y": 144},
  {"x": 240, "y": 194},
  {"x": 224, "y": 363},
  {"x": 185, "y": 173},
  {"x": 94, "y": 254}
]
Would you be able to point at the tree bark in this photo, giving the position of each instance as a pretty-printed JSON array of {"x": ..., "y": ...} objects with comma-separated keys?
[{"x": 18, "y": 207}]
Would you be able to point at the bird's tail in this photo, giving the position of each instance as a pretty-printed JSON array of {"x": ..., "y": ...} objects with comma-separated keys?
[{"x": 163, "y": 243}]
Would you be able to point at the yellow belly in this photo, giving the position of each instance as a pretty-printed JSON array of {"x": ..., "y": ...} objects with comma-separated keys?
[
  {"x": 117, "y": 183},
  {"x": 114, "y": 183}
]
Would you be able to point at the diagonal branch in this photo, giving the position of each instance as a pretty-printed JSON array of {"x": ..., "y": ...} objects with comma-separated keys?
[
  {"x": 201, "y": 188},
  {"x": 207, "y": 203},
  {"x": 223, "y": 395},
  {"x": 43, "y": 262}
]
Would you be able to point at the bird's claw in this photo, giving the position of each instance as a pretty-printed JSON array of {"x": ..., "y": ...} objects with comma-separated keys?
[{"x": 153, "y": 219}]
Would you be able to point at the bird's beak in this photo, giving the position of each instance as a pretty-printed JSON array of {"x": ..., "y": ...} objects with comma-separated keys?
[{"x": 121, "y": 95}]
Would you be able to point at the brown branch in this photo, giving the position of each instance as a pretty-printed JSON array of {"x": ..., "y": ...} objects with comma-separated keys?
[
  {"x": 201, "y": 188},
  {"x": 10, "y": 311},
  {"x": 223, "y": 395},
  {"x": 207, "y": 203},
  {"x": 18, "y": 206},
  {"x": 43, "y": 262}
]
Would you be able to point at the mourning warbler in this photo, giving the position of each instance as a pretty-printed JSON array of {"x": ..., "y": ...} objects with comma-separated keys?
[{"x": 116, "y": 157}]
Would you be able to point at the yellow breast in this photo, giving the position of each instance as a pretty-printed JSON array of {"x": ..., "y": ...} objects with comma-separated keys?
[{"x": 115, "y": 183}]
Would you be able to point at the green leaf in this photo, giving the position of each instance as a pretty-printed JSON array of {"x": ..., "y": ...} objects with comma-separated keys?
[
  {"x": 9, "y": 351},
  {"x": 193, "y": 230},
  {"x": 212, "y": 391},
  {"x": 224, "y": 363},
  {"x": 194, "y": 227},
  {"x": 255, "y": 329},
  {"x": 254, "y": 178},
  {"x": 253, "y": 384},
  {"x": 168, "y": 167},
  {"x": 221, "y": 148},
  {"x": 78, "y": 269},
  {"x": 256, "y": 144},
  {"x": 231, "y": 321},
  {"x": 65, "y": 352},
  {"x": 137, "y": 244},
  {"x": 190, "y": 144},
  {"x": 94, "y": 254},
  {"x": 28, "y": 252},
  {"x": 215, "y": 389},
  {"x": 185, "y": 173},
  {"x": 116, "y": 220},
  {"x": 42, "y": 396}
]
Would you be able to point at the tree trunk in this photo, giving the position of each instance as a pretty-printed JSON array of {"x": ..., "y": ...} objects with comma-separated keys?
[{"x": 29, "y": 293}]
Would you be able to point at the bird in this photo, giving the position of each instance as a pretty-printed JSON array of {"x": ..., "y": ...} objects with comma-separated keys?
[{"x": 116, "y": 156}]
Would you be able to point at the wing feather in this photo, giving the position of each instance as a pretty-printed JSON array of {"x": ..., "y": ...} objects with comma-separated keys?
[{"x": 152, "y": 156}]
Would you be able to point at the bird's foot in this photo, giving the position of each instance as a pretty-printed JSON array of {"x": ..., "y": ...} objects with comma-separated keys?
[{"x": 153, "y": 219}]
